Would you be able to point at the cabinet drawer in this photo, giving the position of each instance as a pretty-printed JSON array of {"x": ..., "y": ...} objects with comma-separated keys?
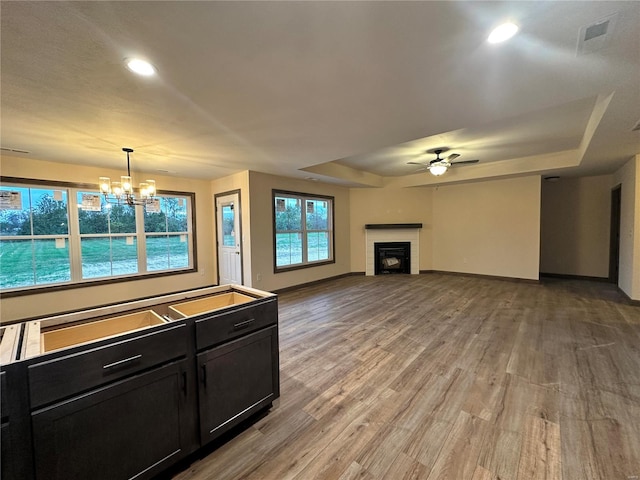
[
  {"x": 224, "y": 326},
  {"x": 67, "y": 375}
]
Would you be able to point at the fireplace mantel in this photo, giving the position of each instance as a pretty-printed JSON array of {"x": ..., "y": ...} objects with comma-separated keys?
[{"x": 389, "y": 226}]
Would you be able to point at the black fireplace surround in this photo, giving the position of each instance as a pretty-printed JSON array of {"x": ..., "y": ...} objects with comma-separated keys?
[{"x": 392, "y": 257}]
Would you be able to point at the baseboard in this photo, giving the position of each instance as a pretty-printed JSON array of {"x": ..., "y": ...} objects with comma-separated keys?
[
  {"x": 486, "y": 277},
  {"x": 630, "y": 301},
  {"x": 315, "y": 282},
  {"x": 564, "y": 276}
]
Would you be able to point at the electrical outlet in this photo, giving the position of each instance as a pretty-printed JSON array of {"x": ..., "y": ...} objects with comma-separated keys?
[{"x": 258, "y": 277}]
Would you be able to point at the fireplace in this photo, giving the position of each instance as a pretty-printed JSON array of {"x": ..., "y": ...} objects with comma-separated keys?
[
  {"x": 392, "y": 257},
  {"x": 392, "y": 233}
]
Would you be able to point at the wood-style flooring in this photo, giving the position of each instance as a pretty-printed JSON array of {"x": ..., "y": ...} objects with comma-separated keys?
[{"x": 441, "y": 376}]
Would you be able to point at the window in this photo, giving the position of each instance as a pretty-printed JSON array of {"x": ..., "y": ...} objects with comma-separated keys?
[
  {"x": 47, "y": 241},
  {"x": 167, "y": 230},
  {"x": 303, "y": 230},
  {"x": 34, "y": 237},
  {"x": 107, "y": 237}
]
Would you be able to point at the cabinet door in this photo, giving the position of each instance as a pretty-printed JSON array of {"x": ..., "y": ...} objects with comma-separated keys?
[
  {"x": 236, "y": 380},
  {"x": 130, "y": 429},
  {"x": 15, "y": 429}
]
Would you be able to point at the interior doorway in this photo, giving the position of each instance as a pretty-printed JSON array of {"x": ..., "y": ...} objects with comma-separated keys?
[
  {"x": 229, "y": 238},
  {"x": 614, "y": 243}
]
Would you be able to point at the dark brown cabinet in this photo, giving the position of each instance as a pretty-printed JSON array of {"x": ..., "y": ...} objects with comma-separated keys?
[
  {"x": 130, "y": 429},
  {"x": 236, "y": 380},
  {"x": 114, "y": 411},
  {"x": 131, "y": 405},
  {"x": 15, "y": 429}
]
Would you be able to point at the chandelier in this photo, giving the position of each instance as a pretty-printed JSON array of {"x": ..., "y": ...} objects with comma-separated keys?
[{"x": 121, "y": 193}]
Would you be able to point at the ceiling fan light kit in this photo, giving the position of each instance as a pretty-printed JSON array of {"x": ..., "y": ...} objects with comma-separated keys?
[
  {"x": 439, "y": 166},
  {"x": 438, "y": 169}
]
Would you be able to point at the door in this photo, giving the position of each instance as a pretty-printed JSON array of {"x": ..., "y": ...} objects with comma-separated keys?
[
  {"x": 229, "y": 237},
  {"x": 614, "y": 243}
]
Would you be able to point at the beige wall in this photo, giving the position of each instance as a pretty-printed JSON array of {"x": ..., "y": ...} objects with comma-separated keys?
[
  {"x": 78, "y": 298},
  {"x": 238, "y": 181},
  {"x": 629, "y": 178},
  {"x": 575, "y": 224},
  {"x": 262, "y": 231},
  {"x": 390, "y": 205},
  {"x": 488, "y": 228}
]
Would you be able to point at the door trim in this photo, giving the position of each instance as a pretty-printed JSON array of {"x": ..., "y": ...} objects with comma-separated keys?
[
  {"x": 614, "y": 234},
  {"x": 215, "y": 210}
]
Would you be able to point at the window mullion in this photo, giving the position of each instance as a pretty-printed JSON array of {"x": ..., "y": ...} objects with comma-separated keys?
[
  {"x": 142, "y": 239},
  {"x": 75, "y": 250},
  {"x": 303, "y": 217}
]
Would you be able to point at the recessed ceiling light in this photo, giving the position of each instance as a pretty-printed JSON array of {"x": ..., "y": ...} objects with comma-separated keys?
[
  {"x": 141, "y": 67},
  {"x": 502, "y": 32}
]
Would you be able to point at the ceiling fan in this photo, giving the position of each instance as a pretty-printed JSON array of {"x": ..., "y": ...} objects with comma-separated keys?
[{"x": 439, "y": 166}]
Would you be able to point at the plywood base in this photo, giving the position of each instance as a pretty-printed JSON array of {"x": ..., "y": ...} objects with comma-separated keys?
[
  {"x": 9, "y": 343},
  {"x": 69, "y": 336},
  {"x": 208, "y": 304}
]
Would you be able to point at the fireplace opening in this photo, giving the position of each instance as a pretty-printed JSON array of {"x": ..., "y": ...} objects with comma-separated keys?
[{"x": 392, "y": 257}]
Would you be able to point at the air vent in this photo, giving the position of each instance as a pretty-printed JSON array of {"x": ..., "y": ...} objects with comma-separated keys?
[
  {"x": 596, "y": 36},
  {"x": 596, "y": 30},
  {"x": 13, "y": 150}
]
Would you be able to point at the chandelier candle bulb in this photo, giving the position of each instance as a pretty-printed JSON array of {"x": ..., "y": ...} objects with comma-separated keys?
[
  {"x": 105, "y": 184},
  {"x": 144, "y": 190},
  {"x": 126, "y": 184},
  {"x": 116, "y": 188},
  {"x": 151, "y": 187}
]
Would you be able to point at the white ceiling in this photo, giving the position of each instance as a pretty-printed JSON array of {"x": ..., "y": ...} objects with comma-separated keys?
[{"x": 345, "y": 92}]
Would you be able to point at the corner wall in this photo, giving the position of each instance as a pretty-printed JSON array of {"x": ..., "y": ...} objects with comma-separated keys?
[
  {"x": 575, "y": 223},
  {"x": 260, "y": 186},
  {"x": 629, "y": 178},
  {"x": 41, "y": 304},
  {"x": 488, "y": 228}
]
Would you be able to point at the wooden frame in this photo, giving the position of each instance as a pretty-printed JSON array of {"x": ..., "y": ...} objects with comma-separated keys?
[
  {"x": 209, "y": 304},
  {"x": 77, "y": 334}
]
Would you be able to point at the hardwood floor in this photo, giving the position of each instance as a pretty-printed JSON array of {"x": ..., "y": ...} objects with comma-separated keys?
[{"x": 447, "y": 377}]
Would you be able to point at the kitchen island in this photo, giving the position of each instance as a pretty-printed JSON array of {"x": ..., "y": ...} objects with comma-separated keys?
[{"x": 126, "y": 391}]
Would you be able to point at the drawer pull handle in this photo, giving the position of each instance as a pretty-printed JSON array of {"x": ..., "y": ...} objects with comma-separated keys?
[
  {"x": 245, "y": 324},
  {"x": 120, "y": 362}
]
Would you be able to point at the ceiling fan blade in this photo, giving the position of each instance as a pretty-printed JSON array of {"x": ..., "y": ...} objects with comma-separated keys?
[
  {"x": 453, "y": 156},
  {"x": 416, "y": 163},
  {"x": 464, "y": 162}
]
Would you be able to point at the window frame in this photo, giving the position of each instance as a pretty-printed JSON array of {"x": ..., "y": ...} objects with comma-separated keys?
[
  {"x": 303, "y": 197},
  {"x": 74, "y": 237}
]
